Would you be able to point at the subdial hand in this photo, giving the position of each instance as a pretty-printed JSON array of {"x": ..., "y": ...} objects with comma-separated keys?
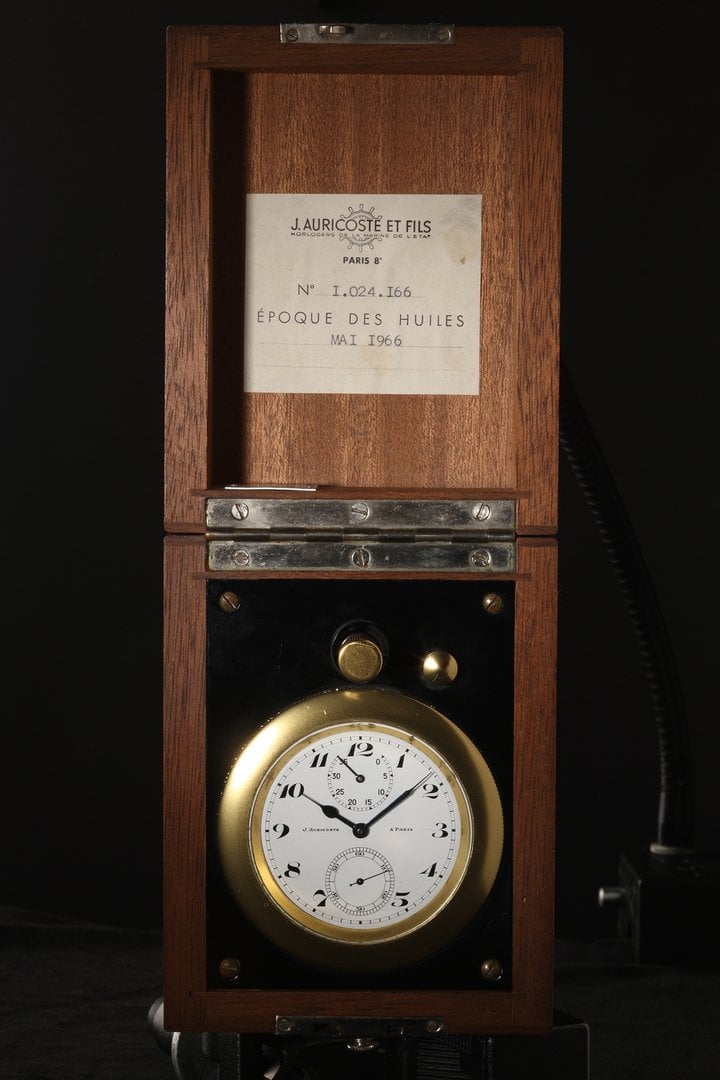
[
  {"x": 362, "y": 880},
  {"x": 358, "y": 776},
  {"x": 330, "y": 811}
]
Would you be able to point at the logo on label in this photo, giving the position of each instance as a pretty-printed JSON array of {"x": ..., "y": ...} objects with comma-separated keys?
[{"x": 360, "y": 227}]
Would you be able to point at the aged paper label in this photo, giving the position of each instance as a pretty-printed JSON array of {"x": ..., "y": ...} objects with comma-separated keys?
[{"x": 363, "y": 294}]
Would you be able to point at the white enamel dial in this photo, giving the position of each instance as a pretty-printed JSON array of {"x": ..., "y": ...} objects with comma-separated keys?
[{"x": 383, "y": 860}]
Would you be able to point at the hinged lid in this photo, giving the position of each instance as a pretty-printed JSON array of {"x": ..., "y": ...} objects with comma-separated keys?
[{"x": 363, "y": 267}]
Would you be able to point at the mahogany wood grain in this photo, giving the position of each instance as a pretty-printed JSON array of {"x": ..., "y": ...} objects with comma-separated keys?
[
  {"x": 481, "y": 116},
  {"x": 187, "y": 393},
  {"x": 539, "y": 163},
  {"x": 535, "y": 776},
  {"x": 184, "y": 780}
]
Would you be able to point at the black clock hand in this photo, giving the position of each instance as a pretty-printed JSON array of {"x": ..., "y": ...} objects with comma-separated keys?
[
  {"x": 361, "y": 829},
  {"x": 358, "y": 776},
  {"x": 330, "y": 811},
  {"x": 396, "y": 802}
]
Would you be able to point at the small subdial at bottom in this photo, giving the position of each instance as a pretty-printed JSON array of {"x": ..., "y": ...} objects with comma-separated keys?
[{"x": 360, "y": 881}]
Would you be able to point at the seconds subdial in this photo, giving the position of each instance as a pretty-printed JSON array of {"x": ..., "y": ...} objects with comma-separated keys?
[
  {"x": 360, "y": 778},
  {"x": 360, "y": 881}
]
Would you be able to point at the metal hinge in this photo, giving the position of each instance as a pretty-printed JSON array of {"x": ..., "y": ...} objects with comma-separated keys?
[
  {"x": 360, "y": 1030},
  {"x": 356, "y": 534},
  {"x": 344, "y": 33}
]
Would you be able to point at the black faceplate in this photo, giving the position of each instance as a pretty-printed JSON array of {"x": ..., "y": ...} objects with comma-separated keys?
[{"x": 276, "y": 648}]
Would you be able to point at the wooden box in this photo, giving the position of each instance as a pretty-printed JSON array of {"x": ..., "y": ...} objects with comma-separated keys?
[{"x": 327, "y": 140}]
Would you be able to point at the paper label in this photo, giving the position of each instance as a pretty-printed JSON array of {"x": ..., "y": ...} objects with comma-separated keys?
[{"x": 363, "y": 294}]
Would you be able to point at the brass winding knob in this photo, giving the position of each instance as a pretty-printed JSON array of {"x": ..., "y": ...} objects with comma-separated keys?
[{"x": 359, "y": 658}]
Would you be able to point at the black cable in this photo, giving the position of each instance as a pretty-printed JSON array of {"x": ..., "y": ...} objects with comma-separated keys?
[{"x": 588, "y": 464}]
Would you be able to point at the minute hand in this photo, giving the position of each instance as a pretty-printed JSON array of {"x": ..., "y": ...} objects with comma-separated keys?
[{"x": 396, "y": 802}]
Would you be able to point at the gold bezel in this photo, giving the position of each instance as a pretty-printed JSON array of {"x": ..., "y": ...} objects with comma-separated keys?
[{"x": 456, "y": 902}]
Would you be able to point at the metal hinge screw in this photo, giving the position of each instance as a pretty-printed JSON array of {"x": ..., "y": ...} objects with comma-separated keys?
[
  {"x": 360, "y": 557},
  {"x": 359, "y": 511},
  {"x": 240, "y": 511},
  {"x": 241, "y": 557},
  {"x": 480, "y": 557},
  {"x": 482, "y": 512}
]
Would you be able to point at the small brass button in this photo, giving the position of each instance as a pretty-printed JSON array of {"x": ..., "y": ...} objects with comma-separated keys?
[
  {"x": 359, "y": 658},
  {"x": 439, "y": 668}
]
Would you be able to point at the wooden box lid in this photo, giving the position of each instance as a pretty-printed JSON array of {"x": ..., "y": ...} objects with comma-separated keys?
[{"x": 255, "y": 123}]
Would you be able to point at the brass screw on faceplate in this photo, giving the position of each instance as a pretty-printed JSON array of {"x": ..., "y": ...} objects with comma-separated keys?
[
  {"x": 492, "y": 603},
  {"x": 229, "y": 601},
  {"x": 229, "y": 968},
  {"x": 491, "y": 969}
]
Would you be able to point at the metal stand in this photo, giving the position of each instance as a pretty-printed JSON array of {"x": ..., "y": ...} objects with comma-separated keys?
[{"x": 563, "y": 1054}]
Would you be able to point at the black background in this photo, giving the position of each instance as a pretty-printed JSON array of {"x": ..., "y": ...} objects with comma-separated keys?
[{"x": 82, "y": 393}]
